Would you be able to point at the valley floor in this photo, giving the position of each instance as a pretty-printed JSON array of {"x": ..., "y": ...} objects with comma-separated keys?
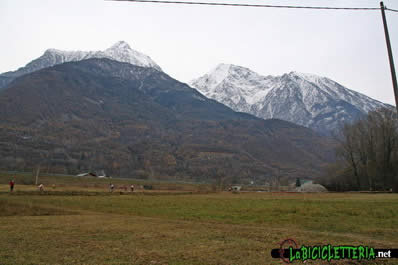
[{"x": 214, "y": 228}]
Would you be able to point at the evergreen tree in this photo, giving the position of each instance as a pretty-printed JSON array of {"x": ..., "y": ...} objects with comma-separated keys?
[{"x": 298, "y": 182}]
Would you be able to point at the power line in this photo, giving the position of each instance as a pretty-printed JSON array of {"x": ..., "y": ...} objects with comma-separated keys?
[
  {"x": 255, "y": 5},
  {"x": 393, "y": 10}
]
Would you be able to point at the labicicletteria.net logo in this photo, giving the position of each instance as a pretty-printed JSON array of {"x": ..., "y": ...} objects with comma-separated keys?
[{"x": 289, "y": 251}]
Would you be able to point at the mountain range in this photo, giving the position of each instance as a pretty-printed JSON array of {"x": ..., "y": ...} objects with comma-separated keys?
[
  {"x": 139, "y": 122},
  {"x": 116, "y": 109},
  {"x": 305, "y": 99}
]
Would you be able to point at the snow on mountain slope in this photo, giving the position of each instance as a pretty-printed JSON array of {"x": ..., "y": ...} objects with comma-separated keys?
[
  {"x": 234, "y": 86},
  {"x": 305, "y": 99},
  {"x": 120, "y": 51}
]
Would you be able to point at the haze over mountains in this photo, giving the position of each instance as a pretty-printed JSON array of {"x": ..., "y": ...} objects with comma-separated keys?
[{"x": 305, "y": 99}]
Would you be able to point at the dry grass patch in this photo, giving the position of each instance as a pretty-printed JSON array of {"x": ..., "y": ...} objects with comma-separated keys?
[{"x": 191, "y": 229}]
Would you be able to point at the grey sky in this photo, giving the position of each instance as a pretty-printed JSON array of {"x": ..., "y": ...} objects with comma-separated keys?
[{"x": 187, "y": 41}]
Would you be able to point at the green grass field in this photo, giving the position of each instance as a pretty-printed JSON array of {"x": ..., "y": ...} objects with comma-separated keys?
[{"x": 179, "y": 228}]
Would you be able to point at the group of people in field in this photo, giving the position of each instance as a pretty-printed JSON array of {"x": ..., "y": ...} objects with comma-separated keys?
[
  {"x": 40, "y": 187},
  {"x": 11, "y": 183},
  {"x": 112, "y": 187}
]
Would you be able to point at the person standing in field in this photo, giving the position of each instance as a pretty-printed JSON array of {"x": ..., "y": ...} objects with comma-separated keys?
[
  {"x": 41, "y": 187},
  {"x": 111, "y": 187},
  {"x": 12, "y": 184},
  {"x": 132, "y": 188}
]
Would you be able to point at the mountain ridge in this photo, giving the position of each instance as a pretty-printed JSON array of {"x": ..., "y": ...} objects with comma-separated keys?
[
  {"x": 120, "y": 51},
  {"x": 138, "y": 122},
  {"x": 306, "y": 99}
]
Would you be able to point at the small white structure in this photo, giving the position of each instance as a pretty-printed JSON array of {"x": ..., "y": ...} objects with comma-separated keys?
[
  {"x": 310, "y": 187},
  {"x": 86, "y": 174},
  {"x": 236, "y": 188}
]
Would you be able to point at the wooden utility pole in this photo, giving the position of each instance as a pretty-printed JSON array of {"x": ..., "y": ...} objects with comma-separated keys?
[
  {"x": 393, "y": 75},
  {"x": 392, "y": 67},
  {"x": 37, "y": 175}
]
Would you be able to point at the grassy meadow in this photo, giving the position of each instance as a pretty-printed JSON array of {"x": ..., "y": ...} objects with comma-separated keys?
[{"x": 80, "y": 222}]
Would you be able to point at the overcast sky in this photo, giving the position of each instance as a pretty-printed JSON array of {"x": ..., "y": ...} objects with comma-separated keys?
[{"x": 188, "y": 41}]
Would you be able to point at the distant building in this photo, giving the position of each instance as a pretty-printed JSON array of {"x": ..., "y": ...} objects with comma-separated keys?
[
  {"x": 236, "y": 188},
  {"x": 306, "y": 181},
  {"x": 310, "y": 187},
  {"x": 86, "y": 174}
]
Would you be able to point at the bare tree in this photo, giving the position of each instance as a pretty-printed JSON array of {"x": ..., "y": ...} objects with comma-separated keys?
[{"x": 368, "y": 149}]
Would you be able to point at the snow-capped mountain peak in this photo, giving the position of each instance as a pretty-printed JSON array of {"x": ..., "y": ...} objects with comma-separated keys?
[
  {"x": 56, "y": 56},
  {"x": 52, "y": 51},
  {"x": 307, "y": 77},
  {"x": 220, "y": 72},
  {"x": 120, "y": 45},
  {"x": 120, "y": 51},
  {"x": 306, "y": 99},
  {"x": 215, "y": 77},
  {"x": 236, "y": 86}
]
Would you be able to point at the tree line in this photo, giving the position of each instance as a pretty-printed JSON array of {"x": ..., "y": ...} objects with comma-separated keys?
[{"x": 367, "y": 154}]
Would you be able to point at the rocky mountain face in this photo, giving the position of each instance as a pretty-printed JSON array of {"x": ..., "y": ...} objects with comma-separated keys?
[
  {"x": 120, "y": 51},
  {"x": 305, "y": 99},
  {"x": 139, "y": 122}
]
